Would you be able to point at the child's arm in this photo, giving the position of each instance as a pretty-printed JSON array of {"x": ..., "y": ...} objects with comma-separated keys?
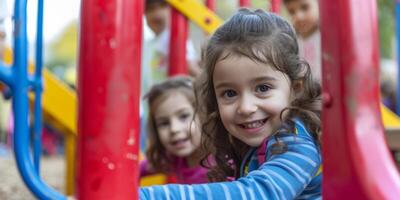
[{"x": 284, "y": 176}]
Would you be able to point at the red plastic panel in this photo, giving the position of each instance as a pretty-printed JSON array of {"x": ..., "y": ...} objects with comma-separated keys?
[{"x": 357, "y": 162}]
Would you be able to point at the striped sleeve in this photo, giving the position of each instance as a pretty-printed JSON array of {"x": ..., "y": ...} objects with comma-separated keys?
[{"x": 283, "y": 176}]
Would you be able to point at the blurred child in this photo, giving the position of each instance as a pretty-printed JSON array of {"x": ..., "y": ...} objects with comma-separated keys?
[
  {"x": 260, "y": 111},
  {"x": 173, "y": 132},
  {"x": 304, "y": 15},
  {"x": 156, "y": 53}
]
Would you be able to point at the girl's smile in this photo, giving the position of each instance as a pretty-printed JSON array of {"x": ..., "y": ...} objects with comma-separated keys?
[
  {"x": 254, "y": 127},
  {"x": 180, "y": 143}
]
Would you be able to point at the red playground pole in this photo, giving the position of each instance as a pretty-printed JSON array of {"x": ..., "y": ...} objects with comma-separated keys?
[
  {"x": 177, "y": 45},
  {"x": 109, "y": 91},
  {"x": 357, "y": 162},
  {"x": 276, "y": 6},
  {"x": 211, "y": 4},
  {"x": 244, "y": 3}
]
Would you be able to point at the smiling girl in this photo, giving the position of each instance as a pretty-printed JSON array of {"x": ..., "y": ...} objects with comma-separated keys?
[{"x": 261, "y": 114}]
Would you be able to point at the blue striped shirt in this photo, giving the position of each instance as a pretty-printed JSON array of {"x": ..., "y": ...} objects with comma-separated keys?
[{"x": 294, "y": 174}]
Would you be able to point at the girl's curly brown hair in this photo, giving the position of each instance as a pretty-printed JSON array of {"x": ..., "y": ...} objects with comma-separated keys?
[{"x": 265, "y": 38}]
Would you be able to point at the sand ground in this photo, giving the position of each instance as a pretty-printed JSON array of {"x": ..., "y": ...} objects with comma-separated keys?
[{"x": 12, "y": 186}]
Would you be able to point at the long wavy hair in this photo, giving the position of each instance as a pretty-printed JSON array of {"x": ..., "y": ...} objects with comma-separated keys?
[
  {"x": 265, "y": 38},
  {"x": 156, "y": 153}
]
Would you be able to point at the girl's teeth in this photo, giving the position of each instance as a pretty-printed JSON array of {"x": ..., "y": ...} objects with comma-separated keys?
[{"x": 254, "y": 124}]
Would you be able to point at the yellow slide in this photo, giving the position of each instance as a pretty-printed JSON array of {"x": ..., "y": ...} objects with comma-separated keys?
[{"x": 391, "y": 123}]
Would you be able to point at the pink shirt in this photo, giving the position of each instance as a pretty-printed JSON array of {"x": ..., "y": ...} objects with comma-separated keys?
[
  {"x": 310, "y": 49},
  {"x": 183, "y": 173}
]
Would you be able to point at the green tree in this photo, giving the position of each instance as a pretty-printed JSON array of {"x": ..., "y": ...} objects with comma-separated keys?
[{"x": 386, "y": 27}]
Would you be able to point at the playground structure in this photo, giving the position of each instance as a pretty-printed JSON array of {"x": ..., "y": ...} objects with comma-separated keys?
[{"x": 351, "y": 101}]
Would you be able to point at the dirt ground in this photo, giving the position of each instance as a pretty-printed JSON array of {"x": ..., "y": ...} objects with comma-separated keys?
[
  {"x": 12, "y": 186},
  {"x": 52, "y": 171}
]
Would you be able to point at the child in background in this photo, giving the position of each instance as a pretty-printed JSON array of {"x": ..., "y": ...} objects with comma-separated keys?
[
  {"x": 156, "y": 53},
  {"x": 304, "y": 15},
  {"x": 260, "y": 111},
  {"x": 173, "y": 133}
]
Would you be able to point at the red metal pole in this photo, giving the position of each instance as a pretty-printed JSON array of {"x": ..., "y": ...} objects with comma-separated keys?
[
  {"x": 211, "y": 4},
  {"x": 276, "y": 6},
  {"x": 109, "y": 90},
  {"x": 244, "y": 3},
  {"x": 177, "y": 45},
  {"x": 357, "y": 162}
]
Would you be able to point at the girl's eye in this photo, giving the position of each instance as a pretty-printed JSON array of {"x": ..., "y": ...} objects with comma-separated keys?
[
  {"x": 304, "y": 7},
  {"x": 162, "y": 124},
  {"x": 184, "y": 116},
  {"x": 229, "y": 93},
  {"x": 262, "y": 88}
]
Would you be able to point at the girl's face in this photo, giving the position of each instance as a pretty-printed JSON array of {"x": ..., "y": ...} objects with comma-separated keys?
[
  {"x": 304, "y": 15},
  {"x": 157, "y": 17},
  {"x": 251, "y": 97},
  {"x": 173, "y": 116}
]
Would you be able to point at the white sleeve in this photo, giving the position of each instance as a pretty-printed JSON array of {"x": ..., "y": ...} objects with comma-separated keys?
[
  {"x": 162, "y": 43},
  {"x": 190, "y": 51},
  {"x": 162, "y": 46}
]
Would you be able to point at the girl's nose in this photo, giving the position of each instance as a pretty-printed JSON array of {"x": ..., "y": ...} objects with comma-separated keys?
[
  {"x": 298, "y": 16},
  {"x": 176, "y": 126},
  {"x": 247, "y": 105}
]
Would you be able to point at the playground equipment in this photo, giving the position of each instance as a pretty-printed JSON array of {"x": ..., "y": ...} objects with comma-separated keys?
[
  {"x": 106, "y": 161},
  {"x": 361, "y": 168},
  {"x": 398, "y": 54},
  {"x": 60, "y": 102},
  {"x": 17, "y": 79}
]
